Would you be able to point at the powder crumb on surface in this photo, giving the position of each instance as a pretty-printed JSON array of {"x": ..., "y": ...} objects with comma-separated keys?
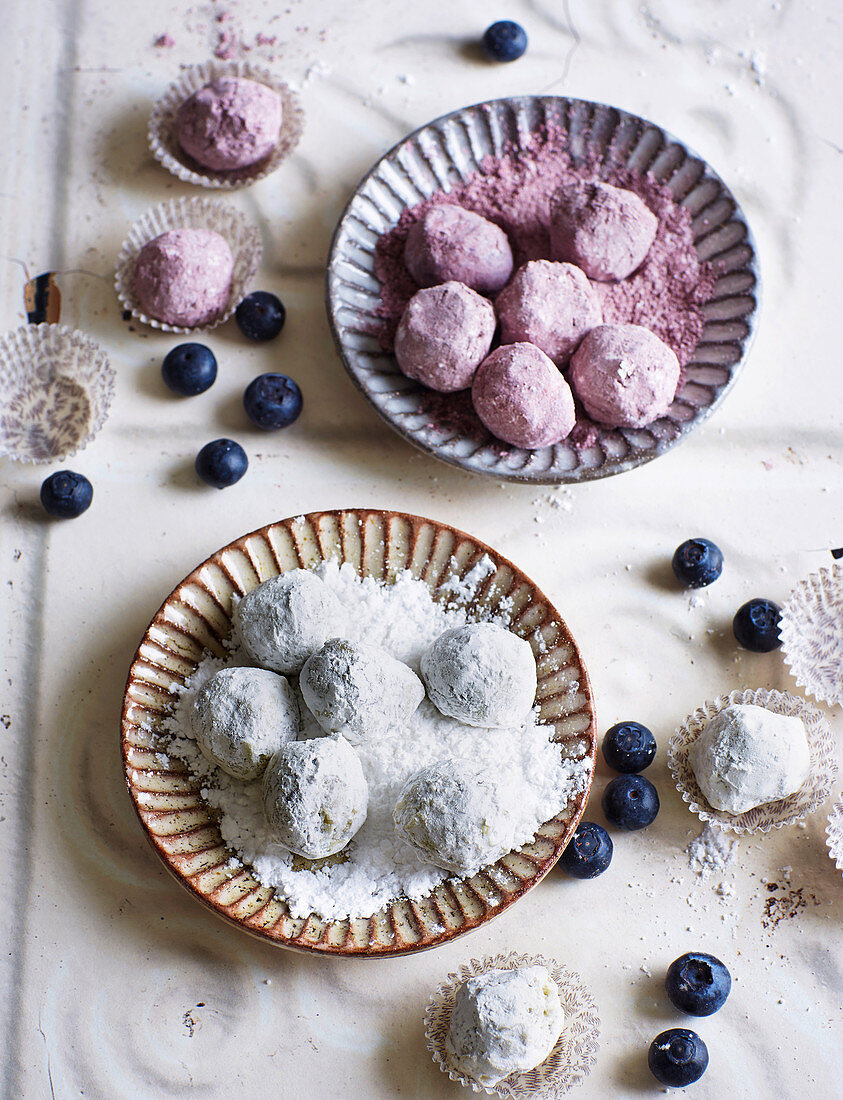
[
  {"x": 164, "y": 42},
  {"x": 711, "y": 851}
]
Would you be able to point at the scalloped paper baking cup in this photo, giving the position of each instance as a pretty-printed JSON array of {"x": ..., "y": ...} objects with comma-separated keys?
[
  {"x": 163, "y": 137},
  {"x": 197, "y": 213},
  {"x": 570, "y": 1061},
  {"x": 56, "y": 387},
  {"x": 834, "y": 834},
  {"x": 772, "y": 815},
  {"x": 811, "y": 630}
]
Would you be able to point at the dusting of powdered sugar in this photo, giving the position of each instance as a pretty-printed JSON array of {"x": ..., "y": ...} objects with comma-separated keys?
[
  {"x": 711, "y": 851},
  {"x": 377, "y": 866}
]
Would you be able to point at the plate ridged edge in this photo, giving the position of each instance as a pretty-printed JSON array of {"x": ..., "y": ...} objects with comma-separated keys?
[
  {"x": 442, "y": 155},
  {"x": 195, "y": 619}
]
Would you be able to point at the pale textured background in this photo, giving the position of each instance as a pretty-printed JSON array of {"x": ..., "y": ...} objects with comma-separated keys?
[{"x": 108, "y": 960}]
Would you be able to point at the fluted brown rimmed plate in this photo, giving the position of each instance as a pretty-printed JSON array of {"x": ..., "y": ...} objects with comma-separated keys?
[
  {"x": 193, "y": 623},
  {"x": 443, "y": 155}
]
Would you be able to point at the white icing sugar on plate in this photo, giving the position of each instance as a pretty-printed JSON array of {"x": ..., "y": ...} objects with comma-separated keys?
[{"x": 377, "y": 866}]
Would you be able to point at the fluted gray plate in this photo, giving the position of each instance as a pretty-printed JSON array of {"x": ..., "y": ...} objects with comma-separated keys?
[{"x": 442, "y": 155}]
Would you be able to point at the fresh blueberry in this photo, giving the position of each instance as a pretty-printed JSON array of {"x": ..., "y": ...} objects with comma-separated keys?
[
  {"x": 504, "y": 41},
  {"x": 630, "y": 802},
  {"x": 589, "y": 851},
  {"x": 678, "y": 1057},
  {"x": 629, "y": 747},
  {"x": 66, "y": 495},
  {"x": 261, "y": 316},
  {"x": 697, "y": 563},
  {"x": 756, "y": 625},
  {"x": 272, "y": 401},
  {"x": 697, "y": 983},
  {"x": 221, "y": 463},
  {"x": 189, "y": 369}
]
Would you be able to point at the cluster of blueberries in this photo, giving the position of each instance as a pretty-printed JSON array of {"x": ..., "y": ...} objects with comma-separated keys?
[{"x": 271, "y": 401}]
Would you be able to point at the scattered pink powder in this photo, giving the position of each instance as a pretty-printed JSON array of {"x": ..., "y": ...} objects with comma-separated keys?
[
  {"x": 227, "y": 46},
  {"x": 266, "y": 39},
  {"x": 164, "y": 41}
]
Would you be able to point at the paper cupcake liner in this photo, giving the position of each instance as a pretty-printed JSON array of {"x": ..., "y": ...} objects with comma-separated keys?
[
  {"x": 163, "y": 139},
  {"x": 56, "y": 387},
  {"x": 570, "y": 1061},
  {"x": 834, "y": 833},
  {"x": 772, "y": 815},
  {"x": 811, "y": 630},
  {"x": 198, "y": 213}
]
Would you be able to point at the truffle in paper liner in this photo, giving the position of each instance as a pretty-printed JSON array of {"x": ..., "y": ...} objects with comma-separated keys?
[
  {"x": 571, "y": 1059},
  {"x": 834, "y": 833},
  {"x": 772, "y": 815},
  {"x": 163, "y": 126},
  {"x": 198, "y": 213},
  {"x": 56, "y": 387},
  {"x": 811, "y": 630}
]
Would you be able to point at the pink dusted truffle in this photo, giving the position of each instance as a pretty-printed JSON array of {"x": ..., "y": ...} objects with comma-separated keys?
[
  {"x": 605, "y": 230},
  {"x": 183, "y": 277},
  {"x": 449, "y": 243},
  {"x": 230, "y": 123},
  {"x": 624, "y": 375},
  {"x": 550, "y": 305},
  {"x": 444, "y": 335},
  {"x": 522, "y": 398}
]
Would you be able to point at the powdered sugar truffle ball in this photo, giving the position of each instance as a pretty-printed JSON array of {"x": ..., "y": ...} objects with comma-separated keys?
[
  {"x": 502, "y": 1022},
  {"x": 450, "y": 243},
  {"x": 605, "y": 230},
  {"x": 286, "y": 619},
  {"x": 183, "y": 277},
  {"x": 456, "y": 815},
  {"x": 550, "y": 305},
  {"x": 522, "y": 398},
  {"x": 481, "y": 674},
  {"x": 315, "y": 796},
  {"x": 624, "y": 375},
  {"x": 444, "y": 334},
  {"x": 241, "y": 716},
  {"x": 230, "y": 123},
  {"x": 359, "y": 690}
]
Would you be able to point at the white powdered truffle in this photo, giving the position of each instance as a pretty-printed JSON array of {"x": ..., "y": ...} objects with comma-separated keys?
[
  {"x": 359, "y": 690},
  {"x": 315, "y": 796},
  {"x": 456, "y": 815},
  {"x": 504, "y": 1021},
  {"x": 748, "y": 756},
  {"x": 241, "y": 716},
  {"x": 481, "y": 674},
  {"x": 285, "y": 619}
]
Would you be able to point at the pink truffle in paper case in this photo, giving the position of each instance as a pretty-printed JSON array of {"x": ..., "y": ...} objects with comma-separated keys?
[
  {"x": 444, "y": 335},
  {"x": 449, "y": 243},
  {"x": 522, "y": 398},
  {"x": 230, "y": 123},
  {"x": 183, "y": 277}
]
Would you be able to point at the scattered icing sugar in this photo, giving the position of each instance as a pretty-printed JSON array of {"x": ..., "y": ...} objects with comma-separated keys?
[
  {"x": 377, "y": 866},
  {"x": 711, "y": 851}
]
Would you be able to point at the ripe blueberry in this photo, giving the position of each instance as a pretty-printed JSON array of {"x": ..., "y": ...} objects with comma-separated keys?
[
  {"x": 221, "y": 463},
  {"x": 66, "y": 495}
]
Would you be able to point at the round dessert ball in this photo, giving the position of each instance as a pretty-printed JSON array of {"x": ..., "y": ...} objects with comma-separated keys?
[
  {"x": 286, "y": 619},
  {"x": 241, "y": 716},
  {"x": 502, "y": 1022},
  {"x": 444, "y": 335},
  {"x": 359, "y": 690},
  {"x": 481, "y": 674},
  {"x": 624, "y": 375},
  {"x": 184, "y": 276},
  {"x": 230, "y": 123},
  {"x": 315, "y": 796},
  {"x": 455, "y": 815},
  {"x": 522, "y": 398},
  {"x": 605, "y": 230},
  {"x": 550, "y": 305},
  {"x": 448, "y": 243},
  {"x": 747, "y": 756}
]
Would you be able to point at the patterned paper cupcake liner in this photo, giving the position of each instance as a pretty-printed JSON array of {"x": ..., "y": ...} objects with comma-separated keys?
[
  {"x": 163, "y": 139},
  {"x": 198, "y": 213},
  {"x": 570, "y": 1061},
  {"x": 834, "y": 834},
  {"x": 772, "y": 815},
  {"x": 811, "y": 630},
  {"x": 56, "y": 387}
]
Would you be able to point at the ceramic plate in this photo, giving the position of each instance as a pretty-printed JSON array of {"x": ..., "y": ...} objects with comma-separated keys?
[
  {"x": 193, "y": 623},
  {"x": 441, "y": 156}
]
